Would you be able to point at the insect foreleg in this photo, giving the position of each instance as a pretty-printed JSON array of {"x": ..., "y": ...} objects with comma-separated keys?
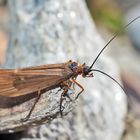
[{"x": 80, "y": 86}]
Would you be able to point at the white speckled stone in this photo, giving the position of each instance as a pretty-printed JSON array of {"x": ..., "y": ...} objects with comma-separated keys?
[{"x": 52, "y": 31}]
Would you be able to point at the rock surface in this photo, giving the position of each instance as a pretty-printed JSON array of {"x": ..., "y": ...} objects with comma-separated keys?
[{"x": 55, "y": 31}]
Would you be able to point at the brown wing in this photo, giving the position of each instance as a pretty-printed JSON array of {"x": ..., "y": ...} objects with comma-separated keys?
[
  {"x": 20, "y": 85},
  {"x": 50, "y": 66},
  {"x": 21, "y": 82}
]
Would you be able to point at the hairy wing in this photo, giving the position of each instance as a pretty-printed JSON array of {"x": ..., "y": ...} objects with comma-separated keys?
[
  {"x": 42, "y": 67},
  {"x": 20, "y": 82}
]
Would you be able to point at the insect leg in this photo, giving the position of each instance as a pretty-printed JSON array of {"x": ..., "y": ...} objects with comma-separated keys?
[
  {"x": 74, "y": 82},
  {"x": 62, "y": 98},
  {"x": 65, "y": 86},
  {"x": 80, "y": 86},
  {"x": 58, "y": 90},
  {"x": 36, "y": 100}
]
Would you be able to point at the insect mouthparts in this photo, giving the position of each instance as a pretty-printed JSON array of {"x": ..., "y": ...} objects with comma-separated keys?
[{"x": 86, "y": 71}]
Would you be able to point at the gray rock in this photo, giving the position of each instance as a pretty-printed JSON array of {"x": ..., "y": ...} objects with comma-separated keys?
[{"x": 44, "y": 32}]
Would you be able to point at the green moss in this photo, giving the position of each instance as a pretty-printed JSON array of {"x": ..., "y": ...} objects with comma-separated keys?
[
  {"x": 108, "y": 18},
  {"x": 106, "y": 13}
]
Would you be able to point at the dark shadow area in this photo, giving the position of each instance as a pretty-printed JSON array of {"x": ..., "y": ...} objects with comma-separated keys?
[{"x": 12, "y": 136}]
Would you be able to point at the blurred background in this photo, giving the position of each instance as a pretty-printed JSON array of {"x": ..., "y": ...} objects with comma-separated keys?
[{"x": 110, "y": 16}]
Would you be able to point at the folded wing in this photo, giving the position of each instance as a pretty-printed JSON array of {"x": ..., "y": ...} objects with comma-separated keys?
[{"x": 20, "y": 82}]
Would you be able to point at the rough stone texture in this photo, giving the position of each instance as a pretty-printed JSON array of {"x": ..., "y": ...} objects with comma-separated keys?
[
  {"x": 54, "y": 31},
  {"x": 45, "y": 111}
]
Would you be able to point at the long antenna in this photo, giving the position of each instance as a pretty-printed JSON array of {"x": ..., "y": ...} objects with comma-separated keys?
[
  {"x": 113, "y": 39},
  {"x": 110, "y": 78}
]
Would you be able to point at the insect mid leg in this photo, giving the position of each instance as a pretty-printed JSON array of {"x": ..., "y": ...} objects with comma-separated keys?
[
  {"x": 29, "y": 114},
  {"x": 68, "y": 85},
  {"x": 80, "y": 86},
  {"x": 65, "y": 86}
]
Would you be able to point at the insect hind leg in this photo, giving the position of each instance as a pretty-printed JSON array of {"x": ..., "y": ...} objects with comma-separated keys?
[{"x": 31, "y": 110}]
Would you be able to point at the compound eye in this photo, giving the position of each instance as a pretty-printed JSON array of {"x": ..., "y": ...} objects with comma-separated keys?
[
  {"x": 73, "y": 66},
  {"x": 86, "y": 70}
]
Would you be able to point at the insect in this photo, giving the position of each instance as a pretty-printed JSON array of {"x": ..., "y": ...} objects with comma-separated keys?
[{"x": 20, "y": 85}]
